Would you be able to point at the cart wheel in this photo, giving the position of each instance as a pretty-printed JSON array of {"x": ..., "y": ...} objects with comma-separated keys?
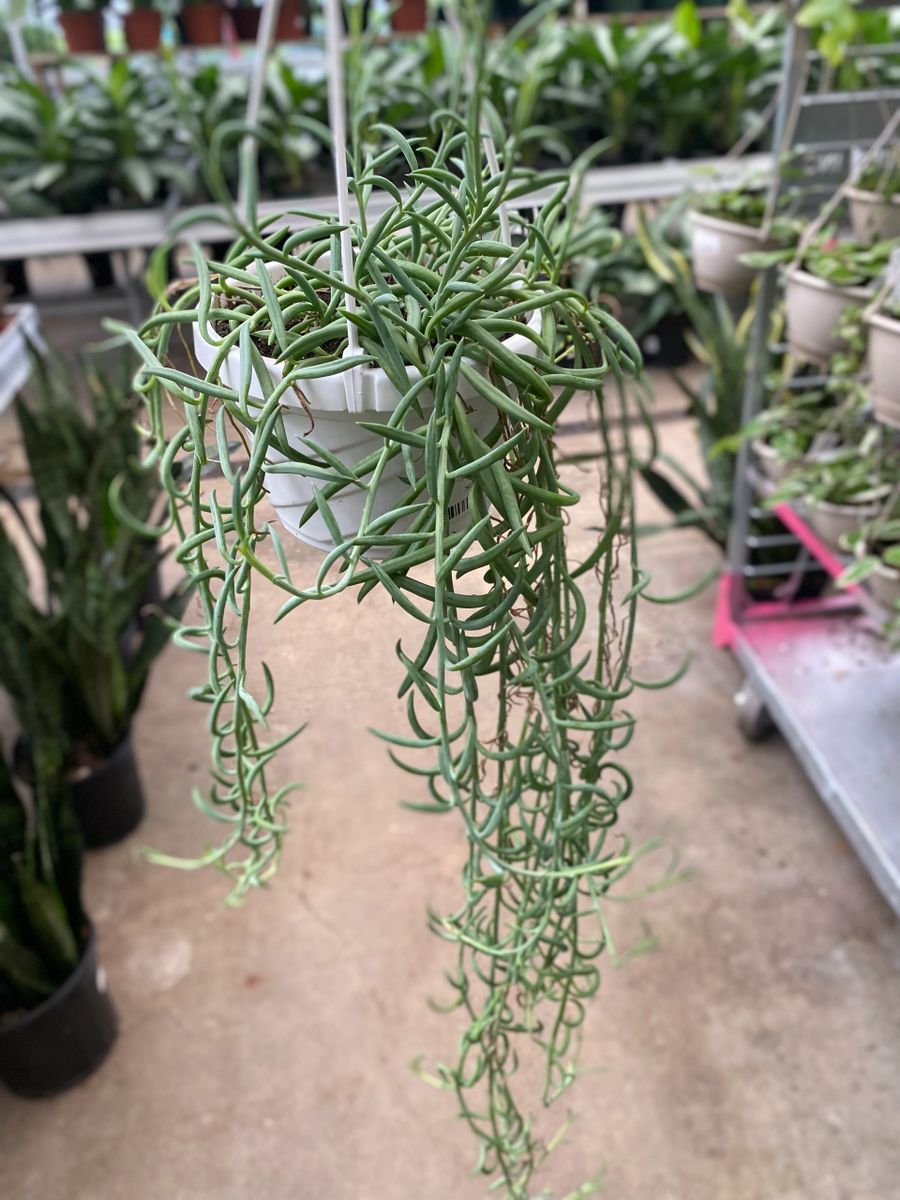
[{"x": 753, "y": 718}]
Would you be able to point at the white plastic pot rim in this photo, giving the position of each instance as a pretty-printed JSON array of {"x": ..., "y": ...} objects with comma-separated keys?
[
  {"x": 370, "y": 389},
  {"x": 885, "y": 322},
  {"x": 803, "y": 278},
  {"x": 723, "y": 225},
  {"x": 875, "y": 199}
]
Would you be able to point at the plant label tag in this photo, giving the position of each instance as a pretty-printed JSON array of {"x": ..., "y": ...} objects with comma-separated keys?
[{"x": 706, "y": 242}]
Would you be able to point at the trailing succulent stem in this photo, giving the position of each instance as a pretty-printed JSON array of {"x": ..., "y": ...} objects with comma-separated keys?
[{"x": 515, "y": 668}]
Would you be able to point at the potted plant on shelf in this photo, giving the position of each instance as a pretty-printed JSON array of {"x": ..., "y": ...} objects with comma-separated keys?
[
  {"x": 57, "y": 1023},
  {"x": 726, "y": 226},
  {"x": 812, "y": 418},
  {"x": 874, "y": 201},
  {"x": 877, "y": 565},
  {"x": 884, "y": 361},
  {"x": 394, "y": 383},
  {"x": 846, "y": 487},
  {"x": 143, "y": 25},
  {"x": 82, "y": 25},
  {"x": 822, "y": 280},
  {"x": 409, "y": 16},
  {"x": 245, "y": 18},
  {"x": 80, "y": 582},
  {"x": 201, "y": 22},
  {"x": 291, "y": 23}
]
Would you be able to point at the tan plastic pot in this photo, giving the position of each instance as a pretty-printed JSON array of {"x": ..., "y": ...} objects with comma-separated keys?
[
  {"x": 716, "y": 248},
  {"x": 874, "y": 218},
  {"x": 814, "y": 308},
  {"x": 833, "y": 522},
  {"x": 884, "y": 364}
]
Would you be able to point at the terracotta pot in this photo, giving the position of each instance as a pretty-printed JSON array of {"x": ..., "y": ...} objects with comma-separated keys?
[
  {"x": 833, "y": 522},
  {"x": 884, "y": 364},
  {"x": 291, "y": 25},
  {"x": 716, "y": 247},
  {"x": 201, "y": 24},
  {"x": 142, "y": 28},
  {"x": 246, "y": 22},
  {"x": 814, "y": 308},
  {"x": 874, "y": 218},
  {"x": 84, "y": 32},
  {"x": 410, "y": 16}
]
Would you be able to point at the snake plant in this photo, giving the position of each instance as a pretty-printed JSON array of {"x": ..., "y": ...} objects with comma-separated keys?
[
  {"x": 79, "y": 632},
  {"x": 515, "y": 667},
  {"x": 42, "y": 925}
]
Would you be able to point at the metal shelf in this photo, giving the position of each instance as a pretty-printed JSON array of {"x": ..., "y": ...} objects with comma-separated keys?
[
  {"x": 144, "y": 228},
  {"x": 833, "y": 689},
  {"x": 818, "y": 667}
]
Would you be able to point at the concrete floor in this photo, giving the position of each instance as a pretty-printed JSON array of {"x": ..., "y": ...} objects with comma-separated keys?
[{"x": 264, "y": 1051}]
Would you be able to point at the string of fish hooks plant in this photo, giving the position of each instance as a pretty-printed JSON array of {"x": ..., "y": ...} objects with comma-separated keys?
[{"x": 400, "y": 416}]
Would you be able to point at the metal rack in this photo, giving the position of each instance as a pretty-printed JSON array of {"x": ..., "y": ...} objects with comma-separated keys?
[
  {"x": 144, "y": 228},
  {"x": 818, "y": 668}
]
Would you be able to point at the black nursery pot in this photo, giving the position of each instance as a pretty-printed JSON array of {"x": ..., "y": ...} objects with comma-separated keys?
[
  {"x": 63, "y": 1040},
  {"x": 665, "y": 345},
  {"x": 109, "y": 803}
]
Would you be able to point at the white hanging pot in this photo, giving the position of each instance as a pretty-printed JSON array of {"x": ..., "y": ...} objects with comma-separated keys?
[
  {"x": 814, "y": 308},
  {"x": 874, "y": 218},
  {"x": 884, "y": 365},
  {"x": 337, "y": 429},
  {"x": 716, "y": 249}
]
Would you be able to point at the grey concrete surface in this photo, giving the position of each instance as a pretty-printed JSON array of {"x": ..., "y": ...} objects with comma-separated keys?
[{"x": 264, "y": 1051}]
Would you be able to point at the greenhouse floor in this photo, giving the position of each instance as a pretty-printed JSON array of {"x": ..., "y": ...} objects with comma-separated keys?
[{"x": 264, "y": 1051}]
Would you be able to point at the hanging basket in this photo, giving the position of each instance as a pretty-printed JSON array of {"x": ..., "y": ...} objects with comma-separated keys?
[
  {"x": 716, "y": 249},
  {"x": 884, "y": 364},
  {"x": 875, "y": 218},
  {"x": 814, "y": 309},
  {"x": 326, "y": 419}
]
